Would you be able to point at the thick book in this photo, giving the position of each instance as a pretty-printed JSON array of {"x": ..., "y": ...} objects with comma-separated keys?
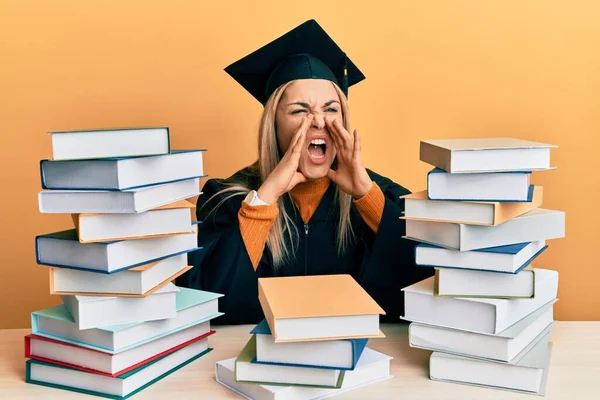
[
  {"x": 529, "y": 374},
  {"x": 116, "y": 202},
  {"x": 63, "y": 249},
  {"x": 98, "y": 311},
  {"x": 319, "y": 307},
  {"x": 122, "y": 173},
  {"x": 271, "y": 374},
  {"x": 140, "y": 281},
  {"x": 486, "y": 155},
  {"x": 492, "y": 186},
  {"x": 480, "y": 315},
  {"x": 538, "y": 224},
  {"x": 451, "y": 282},
  {"x": 171, "y": 219},
  {"x": 338, "y": 354},
  {"x": 194, "y": 307},
  {"x": 504, "y": 346},
  {"x": 418, "y": 207},
  {"x": 69, "y": 355},
  {"x": 120, "y": 387},
  {"x": 505, "y": 259},
  {"x": 372, "y": 367},
  {"x": 103, "y": 143}
]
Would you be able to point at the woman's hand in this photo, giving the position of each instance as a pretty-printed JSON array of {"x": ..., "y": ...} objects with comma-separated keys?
[
  {"x": 286, "y": 176},
  {"x": 351, "y": 175}
]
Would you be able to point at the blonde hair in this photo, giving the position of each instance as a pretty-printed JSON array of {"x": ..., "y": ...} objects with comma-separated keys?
[{"x": 269, "y": 156}]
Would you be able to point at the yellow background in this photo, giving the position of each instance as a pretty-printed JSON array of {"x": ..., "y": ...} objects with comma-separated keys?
[{"x": 435, "y": 69}]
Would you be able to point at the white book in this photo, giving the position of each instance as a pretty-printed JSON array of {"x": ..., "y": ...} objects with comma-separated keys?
[
  {"x": 103, "y": 143},
  {"x": 122, "y": 173},
  {"x": 97, "y": 311},
  {"x": 504, "y": 346},
  {"x": 507, "y": 259},
  {"x": 63, "y": 249},
  {"x": 493, "y": 186},
  {"x": 481, "y": 315},
  {"x": 169, "y": 219},
  {"x": 138, "y": 281},
  {"x": 371, "y": 368},
  {"x": 528, "y": 374},
  {"x": 486, "y": 155},
  {"x": 538, "y": 224},
  {"x": 193, "y": 307},
  {"x": 466, "y": 283},
  {"x": 106, "y": 201}
]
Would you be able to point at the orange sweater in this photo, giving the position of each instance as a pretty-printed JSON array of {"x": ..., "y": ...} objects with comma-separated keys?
[{"x": 256, "y": 221}]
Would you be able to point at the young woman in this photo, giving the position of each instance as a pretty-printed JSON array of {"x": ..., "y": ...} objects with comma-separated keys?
[{"x": 308, "y": 205}]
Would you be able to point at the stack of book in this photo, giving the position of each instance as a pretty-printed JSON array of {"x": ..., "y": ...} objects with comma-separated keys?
[
  {"x": 486, "y": 313},
  {"x": 122, "y": 324},
  {"x": 312, "y": 342}
]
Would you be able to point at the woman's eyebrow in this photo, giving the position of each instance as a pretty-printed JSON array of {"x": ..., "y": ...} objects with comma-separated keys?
[{"x": 306, "y": 105}]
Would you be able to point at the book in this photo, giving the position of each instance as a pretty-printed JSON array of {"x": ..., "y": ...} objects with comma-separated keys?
[
  {"x": 467, "y": 283},
  {"x": 337, "y": 354},
  {"x": 69, "y": 355},
  {"x": 63, "y": 249},
  {"x": 140, "y": 281},
  {"x": 372, "y": 367},
  {"x": 122, "y": 202},
  {"x": 486, "y": 155},
  {"x": 103, "y": 143},
  {"x": 507, "y": 259},
  {"x": 97, "y": 311},
  {"x": 319, "y": 307},
  {"x": 491, "y": 186},
  {"x": 504, "y": 346},
  {"x": 527, "y": 375},
  {"x": 419, "y": 207},
  {"x": 271, "y": 374},
  {"x": 124, "y": 173},
  {"x": 194, "y": 307},
  {"x": 538, "y": 224},
  {"x": 120, "y": 387},
  {"x": 480, "y": 315}
]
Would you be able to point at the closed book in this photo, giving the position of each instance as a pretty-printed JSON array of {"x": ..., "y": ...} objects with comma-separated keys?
[
  {"x": 538, "y": 224},
  {"x": 120, "y": 387},
  {"x": 122, "y": 173},
  {"x": 486, "y": 155},
  {"x": 97, "y": 311},
  {"x": 69, "y": 355},
  {"x": 319, "y": 307},
  {"x": 194, "y": 307},
  {"x": 338, "y": 354},
  {"x": 418, "y": 207},
  {"x": 372, "y": 367},
  {"x": 140, "y": 281},
  {"x": 116, "y": 202},
  {"x": 468, "y": 283},
  {"x": 102, "y": 143},
  {"x": 491, "y": 186},
  {"x": 171, "y": 219},
  {"x": 63, "y": 249},
  {"x": 481, "y": 315},
  {"x": 506, "y": 259}
]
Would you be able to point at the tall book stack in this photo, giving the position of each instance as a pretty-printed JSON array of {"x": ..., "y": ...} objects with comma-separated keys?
[
  {"x": 122, "y": 324},
  {"x": 487, "y": 312},
  {"x": 312, "y": 343}
]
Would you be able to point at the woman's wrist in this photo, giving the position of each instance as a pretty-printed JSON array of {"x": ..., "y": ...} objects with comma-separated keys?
[{"x": 267, "y": 195}]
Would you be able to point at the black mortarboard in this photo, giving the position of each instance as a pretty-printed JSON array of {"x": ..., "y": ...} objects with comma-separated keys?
[{"x": 305, "y": 52}]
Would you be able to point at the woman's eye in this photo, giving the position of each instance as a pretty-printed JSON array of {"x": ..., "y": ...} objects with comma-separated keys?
[
  {"x": 298, "y": 111},
  {"x": 331, "y": 109}
]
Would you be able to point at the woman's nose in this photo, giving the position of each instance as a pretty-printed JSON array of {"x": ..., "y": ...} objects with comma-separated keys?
[{"x": 318, "y": 121}]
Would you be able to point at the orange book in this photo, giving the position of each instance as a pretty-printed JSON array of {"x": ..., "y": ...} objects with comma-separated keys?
[{"x": 318, "y": 307}]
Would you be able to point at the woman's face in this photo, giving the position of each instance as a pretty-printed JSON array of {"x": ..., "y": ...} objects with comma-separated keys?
[{"x": 301, "y": 98}]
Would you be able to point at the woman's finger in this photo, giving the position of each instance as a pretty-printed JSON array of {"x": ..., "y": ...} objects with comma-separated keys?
[
  {"x": 345, "y": 137},
  {"x": 357, "y": 145},
  {"x": 334, "y": 134}
]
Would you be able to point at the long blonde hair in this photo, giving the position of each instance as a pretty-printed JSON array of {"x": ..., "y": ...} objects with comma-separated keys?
[{"x": 283, "y": 228}]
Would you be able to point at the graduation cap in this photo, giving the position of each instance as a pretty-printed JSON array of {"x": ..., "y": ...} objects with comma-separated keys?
[{"x": 305, "y": 52}]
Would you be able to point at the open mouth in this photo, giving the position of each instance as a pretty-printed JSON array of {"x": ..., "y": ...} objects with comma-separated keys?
[{"x": 317, "y": 149}]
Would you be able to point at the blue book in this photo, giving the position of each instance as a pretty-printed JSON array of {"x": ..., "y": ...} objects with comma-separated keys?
[{"x": 340, "y": 354}]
